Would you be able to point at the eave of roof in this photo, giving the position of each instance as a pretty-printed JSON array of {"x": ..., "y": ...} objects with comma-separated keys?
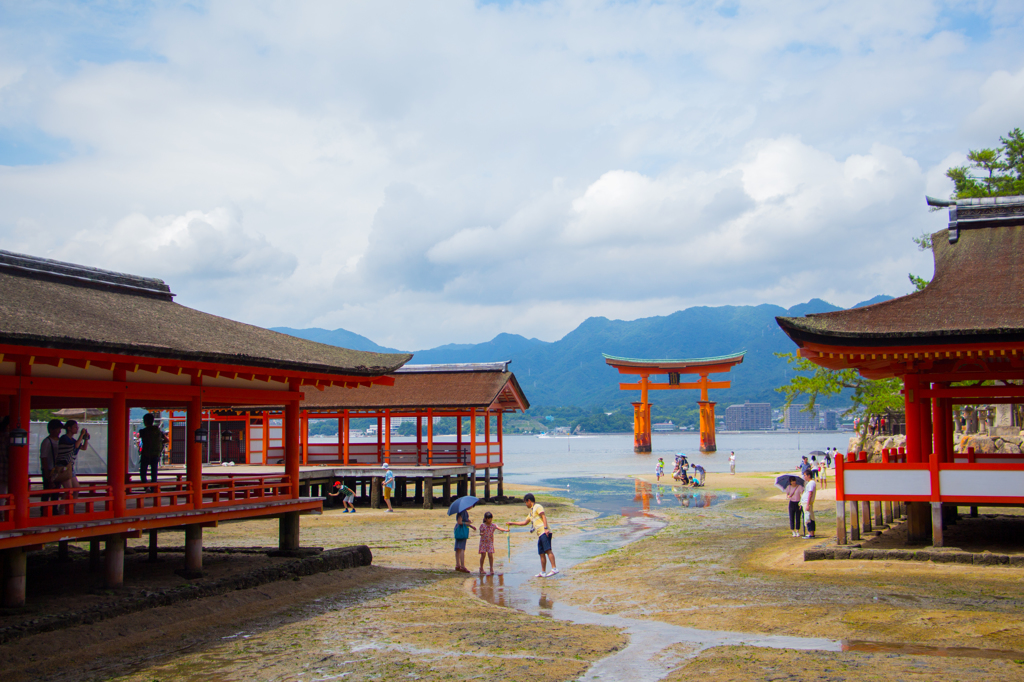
[{"x": 52, "y": 305}]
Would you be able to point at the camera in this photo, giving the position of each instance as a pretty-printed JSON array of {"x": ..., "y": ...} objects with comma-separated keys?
[{"x": 85, "y": 434}]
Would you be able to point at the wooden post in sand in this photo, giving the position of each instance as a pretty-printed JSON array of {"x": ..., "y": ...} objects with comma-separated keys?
[
  {"x": 840, "y": 522},
  {"x": 854, "y": 523}
]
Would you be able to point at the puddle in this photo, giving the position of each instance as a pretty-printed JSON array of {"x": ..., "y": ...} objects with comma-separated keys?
[
  {"x": 647, "y": 657},
  {"x": 920, "y": 650}
]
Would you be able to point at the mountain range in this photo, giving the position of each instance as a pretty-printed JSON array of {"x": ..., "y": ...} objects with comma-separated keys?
[{"x": 572, "y": 372}]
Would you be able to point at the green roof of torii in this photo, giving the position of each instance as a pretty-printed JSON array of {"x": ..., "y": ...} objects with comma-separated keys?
[{"x": 735, "y": 358}]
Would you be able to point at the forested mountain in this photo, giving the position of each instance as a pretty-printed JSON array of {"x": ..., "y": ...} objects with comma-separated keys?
[{"x": 571, "y": 371}]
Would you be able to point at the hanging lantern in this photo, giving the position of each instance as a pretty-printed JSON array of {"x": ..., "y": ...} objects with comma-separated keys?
[
  {"x": 19, "y": 438},
  {"x": 227, "y": 436},
  {"x": 201, "y": 434}
]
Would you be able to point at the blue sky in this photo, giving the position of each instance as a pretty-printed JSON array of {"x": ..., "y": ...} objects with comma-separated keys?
[{"x": 432, "y": 173}]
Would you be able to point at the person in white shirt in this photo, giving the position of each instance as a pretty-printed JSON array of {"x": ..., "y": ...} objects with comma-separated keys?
[
  {"x": 732, "y": 462},
  {"x": 807, "y": 502}
]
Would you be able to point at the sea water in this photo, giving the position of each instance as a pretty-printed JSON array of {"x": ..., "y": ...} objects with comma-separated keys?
[{"x": 532, "y": 459}]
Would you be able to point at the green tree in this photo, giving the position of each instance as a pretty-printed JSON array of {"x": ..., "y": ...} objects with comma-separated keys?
[
  {"x": 870, "y": 396},
  {"x": 991, "y": 172}
]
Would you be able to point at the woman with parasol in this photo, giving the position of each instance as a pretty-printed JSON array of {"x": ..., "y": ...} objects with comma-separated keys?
[{"x": 793, "y": 487}]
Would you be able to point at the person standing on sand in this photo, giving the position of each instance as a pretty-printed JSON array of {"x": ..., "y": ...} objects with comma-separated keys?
[
  {"x": 487, "y": 529},
  {"x": 732, "y": 462},
  {"x": 389, "y": 485},
  {"x": 659, "y": 470},
  {"x": 807, "y": 502},
  {"x": 540, "y": 526},
  {"x": 462, "y": 526},
  {"x": 793, "y": 492}
]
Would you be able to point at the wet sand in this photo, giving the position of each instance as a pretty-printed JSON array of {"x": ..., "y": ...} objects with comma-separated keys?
[{"x": 727, "y": 567}]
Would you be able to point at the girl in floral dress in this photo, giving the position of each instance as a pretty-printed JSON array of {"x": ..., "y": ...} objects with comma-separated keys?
[{"x": 487, "y": 529}]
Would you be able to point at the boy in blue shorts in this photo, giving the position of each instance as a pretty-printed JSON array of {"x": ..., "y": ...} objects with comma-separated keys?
[{"x": 540, "y": 526}]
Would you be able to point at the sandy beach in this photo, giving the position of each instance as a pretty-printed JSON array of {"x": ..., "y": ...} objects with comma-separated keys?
[{"x": 731, "y": 566}]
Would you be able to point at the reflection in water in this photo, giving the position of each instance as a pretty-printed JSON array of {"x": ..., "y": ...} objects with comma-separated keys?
[
  {"x": 921, "y": 650},
  {"x": 643, "y": 492}
]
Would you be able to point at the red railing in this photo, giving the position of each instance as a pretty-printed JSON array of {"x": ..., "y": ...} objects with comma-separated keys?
[
  {"x": 223, "y": 492},
  {"x": 71, "y": 505},
  {"x": 154, "y": 498}
]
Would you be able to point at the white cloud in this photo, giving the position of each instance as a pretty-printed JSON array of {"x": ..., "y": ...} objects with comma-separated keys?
[{"x": 425, "y": 173}]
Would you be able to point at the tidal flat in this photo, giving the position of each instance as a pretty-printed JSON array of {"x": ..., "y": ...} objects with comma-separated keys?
[{"x": 631, "y": 583}]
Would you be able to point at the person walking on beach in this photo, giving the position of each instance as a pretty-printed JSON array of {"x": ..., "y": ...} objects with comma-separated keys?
[
  {"x": 732, "y": 462},
  {"x": 540, "y": 526},
  {"x": 659, "y": 470},
  {"x": 793, "y": 492},
  {"x": 389, "y": 485},
  {"x": 462, "y": 527},
  {"x": 487, "y": 529},
  {"x": 823, "y": 473},
  {"x": 807, "y": 502}
]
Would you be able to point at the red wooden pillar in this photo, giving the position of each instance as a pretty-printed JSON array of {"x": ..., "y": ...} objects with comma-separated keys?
[
  {"x": 341, "y": 439},
  {"x": 266, "y": 437},
  {"x": 472, "y": 437},
  {"x": 380, "y": 439},
  {"x": 117, "y": 444},
  {"x": 926, "y": 415},
  {"x": 487, "y": 434},
  {"x": 430, "y": 436},
  {"x": 419, "y": 438},
  {"x": 17, "y": 467},
  {"x": 345, "y": 427},
  {"x": 291, "y": 437},
  {"x": 911, "y": 391},
  {"x": 304, "y": 430},
  {"x": 458, "y": 438},
  {"x": 387, "y": 436},
  {"x": 501, "y": 445},
  {"x": 194, "y": 450}
]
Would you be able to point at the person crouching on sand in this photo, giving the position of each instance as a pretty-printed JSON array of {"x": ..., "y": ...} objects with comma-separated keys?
[
  {"x": 487, "y": 529},
  {"x": 540, "y": 526}
]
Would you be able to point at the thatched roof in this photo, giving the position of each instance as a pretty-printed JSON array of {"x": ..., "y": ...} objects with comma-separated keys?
[
  {"x": 50, "y": 304},
  {"x": 976, "y": 295}
]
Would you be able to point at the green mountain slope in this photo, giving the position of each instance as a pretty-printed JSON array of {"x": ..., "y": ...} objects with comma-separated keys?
[{"x": 571, "y": 371}]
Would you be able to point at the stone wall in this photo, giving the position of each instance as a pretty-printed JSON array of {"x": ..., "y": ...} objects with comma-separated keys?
[{"x": 982, "y": 444}]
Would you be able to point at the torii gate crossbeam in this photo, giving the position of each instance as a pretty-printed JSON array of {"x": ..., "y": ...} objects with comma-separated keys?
[{"x": 673, "y": 368}]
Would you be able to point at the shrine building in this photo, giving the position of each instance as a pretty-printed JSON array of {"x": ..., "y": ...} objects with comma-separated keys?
[
  {"x": 960, "y": 341},
  {"x": 79, "y": 337}
]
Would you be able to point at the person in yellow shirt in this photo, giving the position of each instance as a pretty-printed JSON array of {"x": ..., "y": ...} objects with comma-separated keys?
[{"x": 543, "y": 530}]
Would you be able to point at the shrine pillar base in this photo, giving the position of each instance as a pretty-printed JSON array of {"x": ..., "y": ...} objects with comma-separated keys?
[
  {"x": 641, "y": 428},
  {"x": 707, "y": 426}
]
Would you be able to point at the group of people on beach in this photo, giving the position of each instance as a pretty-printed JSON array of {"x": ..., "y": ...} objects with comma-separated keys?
[
  {"x": 802, "y": 490},
  {"x": 535, "y": 516},
  {"x": 680, "y": 471}
]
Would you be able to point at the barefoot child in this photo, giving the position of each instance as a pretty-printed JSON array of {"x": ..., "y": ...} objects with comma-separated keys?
[{"x": 487, "y": 529}]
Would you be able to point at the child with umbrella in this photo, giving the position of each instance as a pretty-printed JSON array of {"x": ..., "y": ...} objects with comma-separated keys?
[{"x": 460, "y": 508}]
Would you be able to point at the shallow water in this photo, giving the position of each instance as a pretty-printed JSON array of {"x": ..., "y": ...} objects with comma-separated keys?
[
  {"x": 655, "y": 648},
  {"x": 646, "y": 656}
]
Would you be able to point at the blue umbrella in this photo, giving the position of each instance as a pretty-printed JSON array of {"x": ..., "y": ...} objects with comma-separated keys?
[{"x": 462, "y": 504}]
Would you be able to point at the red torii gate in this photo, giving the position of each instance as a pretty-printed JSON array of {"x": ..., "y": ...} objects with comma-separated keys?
[{"x": 673, "y": 368}]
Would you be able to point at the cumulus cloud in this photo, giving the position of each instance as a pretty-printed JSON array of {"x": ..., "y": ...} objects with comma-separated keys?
[{"x": 425, "y": 174}]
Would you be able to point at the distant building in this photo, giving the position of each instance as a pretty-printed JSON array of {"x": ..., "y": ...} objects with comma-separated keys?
[
  {"x": 748, "y": 417},
  {"x": 664, "y": 426},
  {"x": 799, "y": 420},
  {"x": 830, "y": 420}
]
